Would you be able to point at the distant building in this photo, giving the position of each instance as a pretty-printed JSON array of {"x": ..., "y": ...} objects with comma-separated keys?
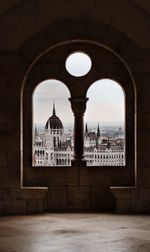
[
  {"x": 53, "y": 148},
  {"x": 103, "y": 151}
]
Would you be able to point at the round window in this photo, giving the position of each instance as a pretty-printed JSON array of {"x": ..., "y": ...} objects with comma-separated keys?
[{"x": 78, "y": 64}]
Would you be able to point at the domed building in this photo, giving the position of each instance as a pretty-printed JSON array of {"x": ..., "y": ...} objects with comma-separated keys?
[
  {"x": 54, "y": 131},
  {"x": 54, "y": 151},
  {"x": 54, "y": 122}
]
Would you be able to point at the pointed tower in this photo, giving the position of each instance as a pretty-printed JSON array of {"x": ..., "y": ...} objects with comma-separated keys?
[
  {"x": 86, "y": 128},
  {"x": 86, "y": 138},
  {"x": 54, "y": 111},
  {"x": 35, "y": 131},
  {"x": 54, "y": 132},
  {"x": 54, "y": 123},
  {"x": 98, "y": 131}
]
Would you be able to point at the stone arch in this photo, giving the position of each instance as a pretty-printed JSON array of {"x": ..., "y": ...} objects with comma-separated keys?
[{"x": 40, "y": 69}]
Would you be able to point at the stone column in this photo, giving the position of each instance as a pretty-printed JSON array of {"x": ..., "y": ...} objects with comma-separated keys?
[{"x": 78, "y": 107}]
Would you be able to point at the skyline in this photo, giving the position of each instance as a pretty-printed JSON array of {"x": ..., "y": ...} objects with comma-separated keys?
[{"x": 106, "y": 99}]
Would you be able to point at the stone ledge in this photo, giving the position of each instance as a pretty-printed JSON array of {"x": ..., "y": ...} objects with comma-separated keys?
[
  {"x": 131, "y": 200},
  {"x": 22, "y": 201},
  {"x": 31, "y": 193},
  {"x": 125, "y": 192},
  {"x": 124, "y": 197}
]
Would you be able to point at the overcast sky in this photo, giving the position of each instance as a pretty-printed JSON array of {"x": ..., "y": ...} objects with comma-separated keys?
[
  {"x": 106, "y": 102},
  {"x": 44, "y": 95}
]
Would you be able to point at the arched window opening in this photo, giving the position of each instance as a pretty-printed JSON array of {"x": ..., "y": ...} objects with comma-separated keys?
[
  {"x": 52, "y": 124},
  {"x": 105, "y": 124}
]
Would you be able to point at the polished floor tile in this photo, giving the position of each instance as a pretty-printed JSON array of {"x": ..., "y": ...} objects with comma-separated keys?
[{"x": 75, "y": 233}]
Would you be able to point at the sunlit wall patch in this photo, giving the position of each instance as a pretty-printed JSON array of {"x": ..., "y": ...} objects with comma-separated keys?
[{"x": 78, "y": 64}]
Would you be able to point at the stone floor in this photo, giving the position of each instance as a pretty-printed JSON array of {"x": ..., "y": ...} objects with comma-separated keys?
[{"x": 75, "y": 233}]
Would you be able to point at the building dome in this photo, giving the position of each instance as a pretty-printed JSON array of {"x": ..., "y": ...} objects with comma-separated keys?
[{"x": 54, "y": 122}]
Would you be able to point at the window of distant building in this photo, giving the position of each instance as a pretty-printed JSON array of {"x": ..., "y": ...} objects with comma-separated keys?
[
  {"x": 104, "y": 133},
  {"x": 52, "y": 143}
]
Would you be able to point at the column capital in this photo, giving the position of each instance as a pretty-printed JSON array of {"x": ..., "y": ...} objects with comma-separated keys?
[{"x": 78, "y": 105}]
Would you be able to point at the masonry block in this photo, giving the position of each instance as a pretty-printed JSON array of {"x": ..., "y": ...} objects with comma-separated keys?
[
  {"x": 57, "y": 199},
  {"x": 78, "y": 199},
  {"x": 101, "y": 199}
]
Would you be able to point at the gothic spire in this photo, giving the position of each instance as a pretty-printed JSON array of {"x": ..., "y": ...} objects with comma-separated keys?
[
  {"x": 35, "y": 131},
  {"x": 98, "y": 131},
  {"x": 86, "y": 128},
  {"x": 54, "y": 112}
]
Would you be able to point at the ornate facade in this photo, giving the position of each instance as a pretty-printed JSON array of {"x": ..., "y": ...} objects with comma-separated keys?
[{"x": 52, "y": 148}]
